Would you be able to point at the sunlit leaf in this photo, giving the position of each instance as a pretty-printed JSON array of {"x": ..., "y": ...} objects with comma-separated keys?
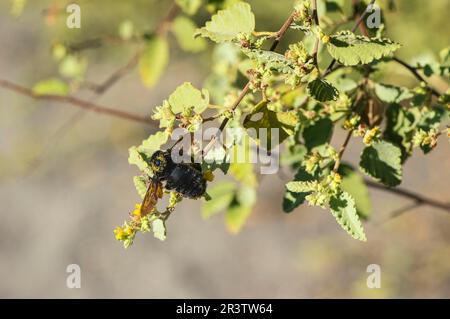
[
  {"x": 351, "y": 49},
  {"x": 343, "y": 209},
  {"x": 184, "y": 28},
  {"x": 221, "y": 197},
  {"x": 51, "y": 86},
  {"x": 186, "y": 96},
  {"x": 153, "y": 60},
  {"x": 228, "y": 23}
]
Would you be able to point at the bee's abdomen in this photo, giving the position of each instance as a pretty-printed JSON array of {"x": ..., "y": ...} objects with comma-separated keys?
[{"x": 187, "y": 181}]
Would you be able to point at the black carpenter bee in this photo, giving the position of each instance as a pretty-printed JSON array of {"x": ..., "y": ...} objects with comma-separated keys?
[{"x": 185, "y": 178}]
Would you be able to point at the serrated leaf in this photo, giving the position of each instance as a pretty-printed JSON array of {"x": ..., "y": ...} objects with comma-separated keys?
[
  {"x": 343, "y": 209},
  {"x": 283, "y": 121},
  {"x": 221, "y": 197},
  {"x": 184, "y": 28},
  {"x": 51, "y": 86},
  {"x": 226, "y": 24},
  {"x": 350, "y": 49},
  {"x": 271, "y": 60},
  {"x": 392, "y": 94},
  {"x": 322, "y": 90},
  {"x": 300, "y": 187},
  {"x": 139, "y": 155},
  {"x": 318, "y": 133},
  {"x": 292, "y": 200},
  {"x": 153, "y": 143},
  {"x": 159, "y": 229},
  {"x": 189, "y": 6},
  {"x": 137, "y": 158},
  {"x": 187, "y": 96},
  {"x": 141, "y": 186},
  {"x": 353, "y": 183},
  {"x": 382, "y": 161},
  {"x": 153, "y": 60}
]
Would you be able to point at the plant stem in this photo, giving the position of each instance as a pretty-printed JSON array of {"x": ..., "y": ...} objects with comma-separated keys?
[
  {"x": 341, "y": 151},
  {"x": 86, "y": 105},
  {"x": 419, "y": 199},
  {"x": 416, "y": 74},
  {"x": 316, "y": 44}
]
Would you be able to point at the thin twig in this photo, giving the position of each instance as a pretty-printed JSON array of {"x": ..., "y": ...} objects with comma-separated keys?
[
  {"x": 342, "y": 150},
  {"x": 115, "y": 76},
  {"x": 71, "y": 100},
  {"x": 316, "y": 44},
  {"x": 400, "y": 211},
  {"x": 408, "y": 194},
  {"x": 416, "y": 74}
]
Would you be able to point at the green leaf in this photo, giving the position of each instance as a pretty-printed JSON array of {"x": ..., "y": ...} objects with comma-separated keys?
[
  {"x": 343, "y": 209},
  {"x": 189, "y": 6},
  {"x": 243, "y": 172},
  {"x": 353, "y": 183},
  {"x": 153, "y": 143},
  {"x": 137, "y": 158},
  {"x": 322, "y": 90},
  {"x": 139, "y": 155},
  {"x": 186, "y": 96},
  {"x": 392, "y": 94},
  {"x": 350, "y": 49},
  {"x": 141, "y": 186},
  {"x": 221, "y": 197},
  {"x": 400, "y": 127},
  {"x": 318, "y": 133},
  {"x": 240, "y": 209},
  {"x": 159, "y": 229},
  {"x": 271, "y": 61},
  {"x": 153, "y": 60},
  {"x": 382, "y": 161},
  {"x": 17, "y": 7},
  {"x": 228, "y": 23},
  {"x": 126, "y": 29},
  {"x": 184, "y": 28},
  {"x": 293, "y": 155},
  {"x": 51, "y": 86},
  {"x": 73, "y": 67},
  {"x": 284, "y": 121},
  {"x": 291, "y": 199},
  {"x": 300, "y": 187}
]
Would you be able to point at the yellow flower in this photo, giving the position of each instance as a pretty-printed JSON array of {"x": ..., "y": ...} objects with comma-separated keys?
[
  {"x": 137, "y": 211},
  {"x": 120, "y": 234}
]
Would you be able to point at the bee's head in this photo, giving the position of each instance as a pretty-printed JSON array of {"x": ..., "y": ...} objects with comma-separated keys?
[{"x": 160, "y": 162}]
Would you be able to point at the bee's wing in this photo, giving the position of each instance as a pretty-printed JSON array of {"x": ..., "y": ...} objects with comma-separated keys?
[{"x": 154, "y": 192}]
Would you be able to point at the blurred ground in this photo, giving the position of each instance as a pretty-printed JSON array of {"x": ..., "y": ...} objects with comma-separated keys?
[{"x": 62, "y": 196}]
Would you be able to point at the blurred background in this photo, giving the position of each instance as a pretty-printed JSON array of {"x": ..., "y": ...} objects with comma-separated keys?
[{"x": 65, "y": 182}]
